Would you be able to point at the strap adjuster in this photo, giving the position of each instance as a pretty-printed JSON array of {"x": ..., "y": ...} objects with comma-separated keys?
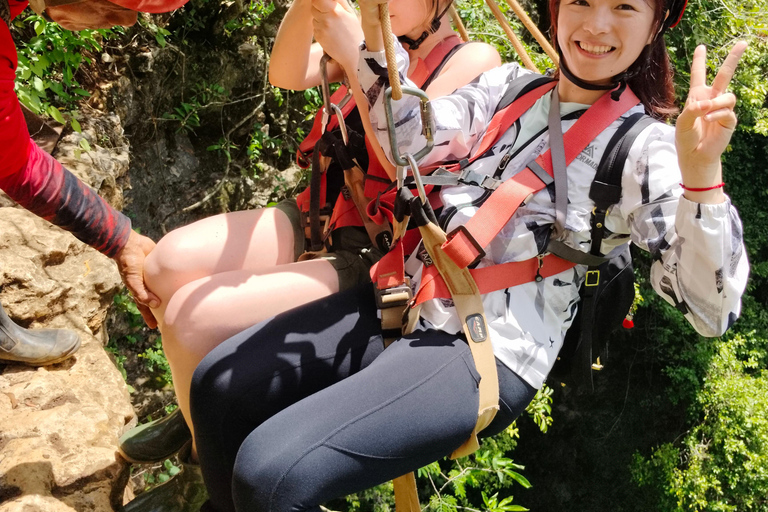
[
  {"x": 477, "y": 179},
  {"x": 593, "y": 278},
  {"x": 396, "y": 296},
  {"x": 466, "y": 236}
]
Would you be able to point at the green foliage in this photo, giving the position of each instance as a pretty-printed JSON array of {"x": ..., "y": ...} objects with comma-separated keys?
[
  {"x": 253, "y": 14},
  {"x": 167, "y": 470},
  {"x": 155, "y": 361},
  {"x": 49, "y": 59},
  {"x": 719, "y": 24},
  {"x": 187, "y": 114},
  {"x": 482, "y": 26},
  {"x": 722, "y": 462}
]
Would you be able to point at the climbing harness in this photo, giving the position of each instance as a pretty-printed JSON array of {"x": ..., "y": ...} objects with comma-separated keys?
[
  {"x": 447, "y": 273},
  {"x": 331, "y": 140}
]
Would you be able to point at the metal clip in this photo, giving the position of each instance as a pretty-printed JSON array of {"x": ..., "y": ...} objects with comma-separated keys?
[
  {"x": 427, "y": 124},
  {"x": 329, "y": 107},
  {"x": 592, "y": 278},
  {"x": 539, "y": 277}
]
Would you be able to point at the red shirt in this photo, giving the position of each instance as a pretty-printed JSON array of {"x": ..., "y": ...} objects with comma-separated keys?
[{"x": 36, "y": 180}]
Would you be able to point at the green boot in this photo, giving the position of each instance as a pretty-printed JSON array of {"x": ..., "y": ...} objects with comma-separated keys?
[
  {"x": 155, "y": 441},
  {"x": 185, "y": 492},
  {"x": 36, "y": 347}
]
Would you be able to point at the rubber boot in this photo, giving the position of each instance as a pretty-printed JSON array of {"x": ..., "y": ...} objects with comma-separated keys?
[
  {"x": 155, "y": 441},
  {"x": 37, "y": 347},
  {"x": 185, "y": 492}
]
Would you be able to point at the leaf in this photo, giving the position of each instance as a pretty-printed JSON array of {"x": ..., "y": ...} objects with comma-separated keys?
[
  {"x": 86, "y": 146},
  {"x": 76, "y": 125},
  {"x": 54, "y": 113}
]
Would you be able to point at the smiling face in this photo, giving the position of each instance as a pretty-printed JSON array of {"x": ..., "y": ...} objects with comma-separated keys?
[{"x": 601, "y": 38}]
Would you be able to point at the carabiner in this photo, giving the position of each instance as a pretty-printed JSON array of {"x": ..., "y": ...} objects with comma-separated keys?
[
  {"x": 416, "y": 177},
  {"x": 427, "y": 124},
  {"x": 327, "y": 105}
]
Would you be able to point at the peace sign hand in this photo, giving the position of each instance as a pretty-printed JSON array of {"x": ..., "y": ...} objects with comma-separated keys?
[{"x": 707, "y": 122}]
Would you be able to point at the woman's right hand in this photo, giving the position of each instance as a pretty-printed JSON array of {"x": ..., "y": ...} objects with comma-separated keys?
[{"x": 337, "y": 29}]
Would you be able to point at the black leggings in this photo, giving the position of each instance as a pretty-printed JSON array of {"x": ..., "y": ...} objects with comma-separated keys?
[{"x": 308, "y": 407}]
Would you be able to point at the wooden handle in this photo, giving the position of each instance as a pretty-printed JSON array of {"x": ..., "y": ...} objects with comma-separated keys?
[
  {"x": 533, "y": 29},
  {"x": 516, "y": 44}
]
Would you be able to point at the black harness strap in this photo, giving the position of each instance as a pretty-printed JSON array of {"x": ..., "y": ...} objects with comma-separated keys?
[{"x": 605, "y": 192}]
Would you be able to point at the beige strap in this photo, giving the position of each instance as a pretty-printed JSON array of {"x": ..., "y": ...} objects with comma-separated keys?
[
  {"x": 406, "y": 494},
  {"x": 469, "y": 306}
]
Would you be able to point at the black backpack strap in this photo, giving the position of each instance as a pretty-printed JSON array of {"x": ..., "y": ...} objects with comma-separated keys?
[
  {"x": 521, "y": 85},
  {"x": 605, "y": 192},
  {"x": 606, "y": 187}
]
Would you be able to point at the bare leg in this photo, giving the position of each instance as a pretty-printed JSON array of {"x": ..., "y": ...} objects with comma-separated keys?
[
  {"x": 248, "y": 240},
  {"x": 205, "y": 312}
]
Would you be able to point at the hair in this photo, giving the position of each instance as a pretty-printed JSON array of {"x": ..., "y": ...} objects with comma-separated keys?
[{"x": 651, "y": 74}]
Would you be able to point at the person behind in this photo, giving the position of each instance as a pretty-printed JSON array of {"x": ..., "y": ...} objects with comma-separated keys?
[
  {"x": 39, "y": 183},
  {"x": 249, "y": 258},
  {"x": 308, "y": 406}
]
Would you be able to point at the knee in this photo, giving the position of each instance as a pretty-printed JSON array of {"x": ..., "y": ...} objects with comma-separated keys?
[
  {"x": 184, "y": 321},
  {"x": 265, "y": 479},
  {"x": 167, "y": 265}
]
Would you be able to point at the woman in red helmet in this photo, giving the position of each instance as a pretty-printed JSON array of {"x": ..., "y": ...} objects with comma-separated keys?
[
  {"x": 39, "y": 183},
  {"x": 308, "y": 406}
]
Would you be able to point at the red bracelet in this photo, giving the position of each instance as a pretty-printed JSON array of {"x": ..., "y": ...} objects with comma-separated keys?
[{"x": 703, "y": 189}]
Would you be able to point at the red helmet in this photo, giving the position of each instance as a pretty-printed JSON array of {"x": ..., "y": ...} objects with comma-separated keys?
[
  {"x": 152, "y": 6},
  {"x": 675, "y": 8}
]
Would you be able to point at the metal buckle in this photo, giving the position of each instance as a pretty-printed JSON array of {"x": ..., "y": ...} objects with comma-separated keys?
[
  {"x": 470, "y": 177},
  {"x": 478, "y": 248},
  {"x": 593, "y": 278},
  {"x": 396, "y": 296}
]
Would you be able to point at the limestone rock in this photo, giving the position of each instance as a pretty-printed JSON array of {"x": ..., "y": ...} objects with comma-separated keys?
[{"x": 59, "y": 425}]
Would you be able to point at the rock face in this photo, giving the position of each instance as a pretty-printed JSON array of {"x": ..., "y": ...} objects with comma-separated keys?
[{"x": 59, "y": 425}]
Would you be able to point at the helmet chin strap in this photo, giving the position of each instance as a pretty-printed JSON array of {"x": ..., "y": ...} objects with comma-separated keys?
[
  {"x": 618, "y": 82},
  {"x": 413, "y": 44}
]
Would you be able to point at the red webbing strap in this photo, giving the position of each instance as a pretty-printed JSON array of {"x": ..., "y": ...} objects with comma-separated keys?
[
  {"x": 490, "y": 218},
  {"x": 500, "y": 123},
  {"x": 490, "y": 279},
  {"x": 308, "y": 144},
  {"x": 390, "y": 265}
]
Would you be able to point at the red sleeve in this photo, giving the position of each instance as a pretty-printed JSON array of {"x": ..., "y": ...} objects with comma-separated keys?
[
  {"x": 38, "y": 182},
  {"x": 13, "y": 129}
]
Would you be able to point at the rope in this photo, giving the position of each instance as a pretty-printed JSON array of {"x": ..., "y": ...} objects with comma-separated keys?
[
  {"x": 460, "y": 28},
  {"x": 516, "y": 44},
  {"x": 533, "y": 29},
  {"x": 389, "y": 49}
]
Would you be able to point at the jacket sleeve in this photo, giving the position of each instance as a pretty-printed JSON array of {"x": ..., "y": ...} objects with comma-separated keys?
[
  {"x": 700, "y": 264},
  {"x": 39, "y": 183},
  {"x": 460, "y": 118}
]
